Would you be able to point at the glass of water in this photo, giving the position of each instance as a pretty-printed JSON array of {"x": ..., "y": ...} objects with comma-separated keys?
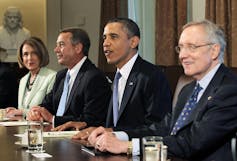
[
  {"x": 35, "y": 137},
  {"x": 152, "y": 148}
]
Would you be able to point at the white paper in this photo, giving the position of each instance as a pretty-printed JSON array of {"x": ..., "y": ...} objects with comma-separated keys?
[
  {"x": 42, "y": 155},
  {"x": 19, "y": 123},
  {"x": 60, "y": 133},
  {"x": 13, "y": 123}
]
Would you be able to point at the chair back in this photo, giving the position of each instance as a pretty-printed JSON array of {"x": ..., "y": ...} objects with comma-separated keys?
[{"x": 182, "y": 81}]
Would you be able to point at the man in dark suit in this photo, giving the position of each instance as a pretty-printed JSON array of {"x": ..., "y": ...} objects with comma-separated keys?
[
  {"x": 201, "y": 125},
  {"x": 88, "y": 91},
  {"x": 143, "y": 91}
]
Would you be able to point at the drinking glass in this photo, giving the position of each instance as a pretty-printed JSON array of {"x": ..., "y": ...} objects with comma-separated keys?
[
  {"x": 152, "y": 146},
  {"x": 35, "y": 137},
  {"x": 2, "y": 114}
]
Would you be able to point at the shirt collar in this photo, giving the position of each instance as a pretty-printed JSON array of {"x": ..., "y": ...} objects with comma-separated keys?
[
  {"x": 77, "y": 67},
  {"x": 208, "y": 77},
  {"x": 126, "y": 69}
]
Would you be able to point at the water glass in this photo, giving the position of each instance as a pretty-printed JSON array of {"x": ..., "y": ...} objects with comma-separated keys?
[
  {"x": 35, "y": 137},
  {"x": 152, "y": 146},
  {"x": 2, "y": 114}
]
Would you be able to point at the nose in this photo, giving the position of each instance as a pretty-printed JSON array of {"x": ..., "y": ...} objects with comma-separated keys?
[
  {"x": 106, "y": 42},
  {"x": 56, "y": 49},
  {"x": 183, "y": 53},
  {"x": 29, "y": 56}
]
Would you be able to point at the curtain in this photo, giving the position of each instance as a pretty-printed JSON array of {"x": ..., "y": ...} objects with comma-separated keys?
[
  {"x": 139, "y": 10},
  {"x": 109, "y": 9},
  {"x": 171, "y": 15},
  {"x": 224, "y": 13}
]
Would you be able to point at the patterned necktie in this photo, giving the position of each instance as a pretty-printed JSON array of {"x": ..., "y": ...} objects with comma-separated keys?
[
  {"x": 115, "y": 98},
  {"x": 187, "y": 110},
  {"x": 63, "y": 100}
]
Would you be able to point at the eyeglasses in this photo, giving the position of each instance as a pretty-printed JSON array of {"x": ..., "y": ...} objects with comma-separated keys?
[{"x": 190, "y": 47}]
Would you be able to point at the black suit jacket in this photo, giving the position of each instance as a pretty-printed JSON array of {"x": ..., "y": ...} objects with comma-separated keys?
[
  {"x": 8, "y": 87},
  {"x": 146, "y": 98},
  {"x": 208, "y": 132},
  {"x": 88, "y": 99}
]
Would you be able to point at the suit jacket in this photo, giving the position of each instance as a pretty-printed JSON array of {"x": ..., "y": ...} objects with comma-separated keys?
[
  {"x": 146, "y": 98},
  {"x": 42, "y": 86},
  {"x": 8, "y": 87},
  {"x": 208, "y": 131},
  {"x": 88, "y": 99}
]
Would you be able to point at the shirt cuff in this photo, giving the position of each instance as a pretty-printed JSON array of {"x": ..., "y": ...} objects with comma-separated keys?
[
  {"x": 135, "y": 146},
  {"x": 53, "y": 122},
  {"x": 121, "y": 135}
]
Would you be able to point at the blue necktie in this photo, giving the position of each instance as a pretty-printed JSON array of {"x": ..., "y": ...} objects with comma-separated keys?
[
  {"x": 115, "y": 98},
  {"x": 63, "y": 100},
  {"x": 187, "y": 110}
]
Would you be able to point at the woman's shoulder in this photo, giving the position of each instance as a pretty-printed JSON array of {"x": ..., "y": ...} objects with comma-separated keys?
[{"x": 47, "y": 71}]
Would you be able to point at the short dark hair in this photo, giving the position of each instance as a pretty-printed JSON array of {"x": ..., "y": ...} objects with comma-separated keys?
[
  {"x": 40, "y": 48},
  {"x": 129, "y": 25},
  {"x": 79, "y": 36}
]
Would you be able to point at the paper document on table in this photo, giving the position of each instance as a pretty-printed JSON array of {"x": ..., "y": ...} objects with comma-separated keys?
[
  {"x": 13, "y": 123},
  {"x": 19, "y": 123},
  {"x": 59, "y": 133}
]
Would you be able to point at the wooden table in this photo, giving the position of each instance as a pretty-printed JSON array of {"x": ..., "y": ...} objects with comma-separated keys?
[{"x": 62, "y": 149}]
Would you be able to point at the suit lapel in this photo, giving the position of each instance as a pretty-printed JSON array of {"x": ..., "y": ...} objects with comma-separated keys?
[
  {"x": 22, "y": 90},
  {"x": 130, "y": 85},
  {"x": 36, "y": 85},
  {"x": 77, "y": 85}
]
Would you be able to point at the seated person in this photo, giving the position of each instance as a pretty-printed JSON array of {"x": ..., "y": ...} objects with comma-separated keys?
[
  {"x": 204, "y": 118},
  {"x": 33, "y": 55},
  {"x": 143, "y": 92},
  {"x": 81, "y": 92}
]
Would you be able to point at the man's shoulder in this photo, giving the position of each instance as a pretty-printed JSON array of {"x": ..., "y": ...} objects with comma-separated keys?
[{"x": 143, "y": 66}]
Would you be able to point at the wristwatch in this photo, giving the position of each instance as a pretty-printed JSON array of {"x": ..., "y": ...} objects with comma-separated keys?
[{"x": 129, "y": 150}]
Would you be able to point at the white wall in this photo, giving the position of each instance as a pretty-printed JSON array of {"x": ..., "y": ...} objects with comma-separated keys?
[
  {"x": 67, "y": 13},
  {"x": 34, "y": 19}
]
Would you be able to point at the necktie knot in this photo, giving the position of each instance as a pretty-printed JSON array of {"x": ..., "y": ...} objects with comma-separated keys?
[
  {"x": 68, "y": 77},
  {"x": 117, "y": 76}
]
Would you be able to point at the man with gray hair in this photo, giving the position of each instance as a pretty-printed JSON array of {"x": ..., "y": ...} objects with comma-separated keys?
[
  {"x": 12, "y": 33},
  {"x": 205, "y": 116}
]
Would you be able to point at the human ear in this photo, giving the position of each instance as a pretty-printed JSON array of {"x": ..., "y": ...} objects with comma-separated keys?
[
  {"x": 134, "y": 42},
  {"x": 216, "y": 48}
]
